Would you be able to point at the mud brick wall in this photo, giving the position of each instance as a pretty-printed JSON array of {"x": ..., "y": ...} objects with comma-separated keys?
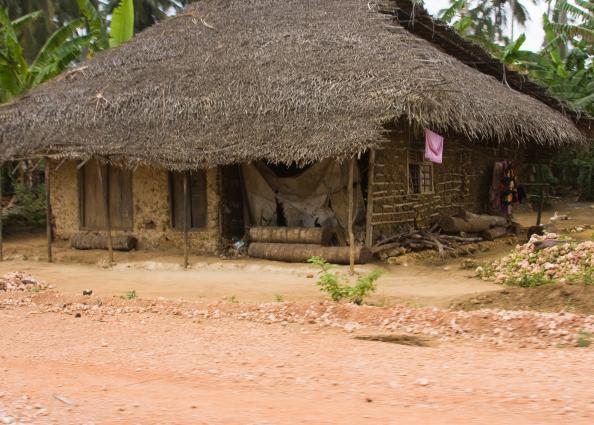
[
  {"x": 461, "y": 181},
  {"x": 151, "y": 213}
]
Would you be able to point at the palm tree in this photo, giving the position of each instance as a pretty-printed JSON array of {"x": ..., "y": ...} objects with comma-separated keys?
[{"x": 485, "y": 20}]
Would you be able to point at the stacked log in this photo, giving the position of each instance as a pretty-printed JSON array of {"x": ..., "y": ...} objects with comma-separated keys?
[
  {"x": 93, "y": 240},
  {"x": 302, "y": 252},
  {"x": 292, "y": 235},
  {"x": 472, "y": 223}
]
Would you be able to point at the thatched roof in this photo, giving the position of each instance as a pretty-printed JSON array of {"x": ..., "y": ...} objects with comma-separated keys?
[{"x": 231, "y": 81}]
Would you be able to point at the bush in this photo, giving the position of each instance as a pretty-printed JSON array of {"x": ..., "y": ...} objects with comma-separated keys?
[
  {"x": 29, "y": 207},
  {"x": 339, "y": 288}
]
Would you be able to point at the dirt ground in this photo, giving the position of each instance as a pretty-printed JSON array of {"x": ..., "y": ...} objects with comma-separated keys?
[
  {"x": 148, "y": 367},
  {"x": 576, "y": 298},
  {"x": 159, "y": 274},
  {"x": 69, "y": 359}
]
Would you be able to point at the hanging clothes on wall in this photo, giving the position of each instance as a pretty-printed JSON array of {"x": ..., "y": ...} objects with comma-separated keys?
[
  {"x": 433, "y": 146},
  {"x": 504, "y": 187}
]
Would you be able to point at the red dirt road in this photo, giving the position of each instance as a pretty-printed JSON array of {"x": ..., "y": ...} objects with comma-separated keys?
[{"x": 165, "y": 369}]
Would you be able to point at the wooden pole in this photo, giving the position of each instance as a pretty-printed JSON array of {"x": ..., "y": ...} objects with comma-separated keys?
[
  {"x": 540, "y": 205},
  {"x": 1, "y": 210},
  {"x": 186, "y": 207},
  {"x": 350, "y": 217},
  {"x": 104, "y": 188},
  {"x": 48, "y": 212},
  {"x": 369, "y": 218}
]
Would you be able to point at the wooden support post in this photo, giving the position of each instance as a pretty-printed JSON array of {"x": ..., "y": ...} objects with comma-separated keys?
[
  {"x": 540, "y": 205},
  {"x": 48, "y": 212},
  {"x": 104, "y": 188},
  {"x": 186, "y": 218},
  {"x": 1, "y": 210},
  {"x": 350, "y": 217},
  {"x": 369, "y": 218}
]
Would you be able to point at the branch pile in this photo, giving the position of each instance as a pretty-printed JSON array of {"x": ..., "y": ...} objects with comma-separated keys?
[{"x": 447, "y": 235}]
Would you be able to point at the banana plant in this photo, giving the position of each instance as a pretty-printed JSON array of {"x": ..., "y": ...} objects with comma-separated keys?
[
  {"x": 121, "y": 27},
  {"x": 16, "y": 75},
  {"x": 582, "y": 12},
  {"x": 122, "y": 23}
]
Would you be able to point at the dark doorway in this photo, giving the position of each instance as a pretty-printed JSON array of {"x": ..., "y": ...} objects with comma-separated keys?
[{"x": 232, "y": 203}]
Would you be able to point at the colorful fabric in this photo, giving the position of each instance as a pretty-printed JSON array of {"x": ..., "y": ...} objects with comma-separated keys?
[{"x": 433, "y": 146}]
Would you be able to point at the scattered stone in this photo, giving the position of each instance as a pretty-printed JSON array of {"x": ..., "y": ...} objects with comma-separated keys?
[
  {"x": 19, "y": 281},
  {"x": 422, "y": 382}
]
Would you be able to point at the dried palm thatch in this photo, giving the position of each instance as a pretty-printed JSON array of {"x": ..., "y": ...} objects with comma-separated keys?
[{"x": 233, "y": 81}]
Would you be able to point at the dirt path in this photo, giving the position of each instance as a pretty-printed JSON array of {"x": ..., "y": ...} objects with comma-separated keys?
[
  {"x": 249, "y": 281},
  {"x": 165, "y": 369}
]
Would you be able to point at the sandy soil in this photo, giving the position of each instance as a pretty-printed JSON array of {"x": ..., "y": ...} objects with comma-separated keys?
[
  {"x": 165, "y": 369},
  {"x": 152, "y": 368},
  {"x": 159, "y": 274}
]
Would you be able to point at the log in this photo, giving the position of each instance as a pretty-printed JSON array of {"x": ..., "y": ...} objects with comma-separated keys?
[
  {"x": 471, "y": 223},
  {"x": 494, "y": 220},
  {"x": 92, "y": 240},
  {"x": 547, "y": 243},
  {"x": 300, "y": 235},
  {"x": 461, "y": 239},
  {"x": 494, "y": 233},
  {"x": 457, "y": 225},
  {"x": 386, "y": 247},
  {"x": 300, "y": 253}
]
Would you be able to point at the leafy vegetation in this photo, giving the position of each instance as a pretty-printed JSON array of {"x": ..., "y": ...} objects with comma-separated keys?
[
  {"x": 564, "y": 64},
  {"x": 60, "y": 50},
  {"x": 584, "y": 339},
  {"x": 339, "y": 287},
  {"x": 63, "y": 48},
  {"x": 131, "y": 295}
]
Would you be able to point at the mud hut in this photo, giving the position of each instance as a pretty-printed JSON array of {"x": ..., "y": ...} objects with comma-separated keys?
[{"x": 240, "y": 113}]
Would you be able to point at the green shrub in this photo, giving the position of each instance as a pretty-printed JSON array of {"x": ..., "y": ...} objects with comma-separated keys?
[
  {"x": 130, "y": 295},
  {"x": 28, "y": 209},
  {"x": 584, "y": 339},
  {"x": 339, "y": 288}
]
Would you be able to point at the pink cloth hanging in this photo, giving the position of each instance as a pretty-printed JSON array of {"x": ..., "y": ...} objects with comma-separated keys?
[{"x": 433, "y": 146}]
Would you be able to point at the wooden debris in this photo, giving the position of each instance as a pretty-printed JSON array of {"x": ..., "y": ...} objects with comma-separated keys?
[
  {"x": 494, "y": 233},
  {"x": 464, "y": 228}
]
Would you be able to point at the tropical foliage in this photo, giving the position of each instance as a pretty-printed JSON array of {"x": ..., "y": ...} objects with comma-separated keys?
[
  {"x": 63, "y": 47},
  {"x": 564, "y": 64}
]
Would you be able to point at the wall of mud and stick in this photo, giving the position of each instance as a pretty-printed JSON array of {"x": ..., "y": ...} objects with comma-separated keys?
[
  {"x": 462, "y": 181},
  {"x": 152, "y": 224}
]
